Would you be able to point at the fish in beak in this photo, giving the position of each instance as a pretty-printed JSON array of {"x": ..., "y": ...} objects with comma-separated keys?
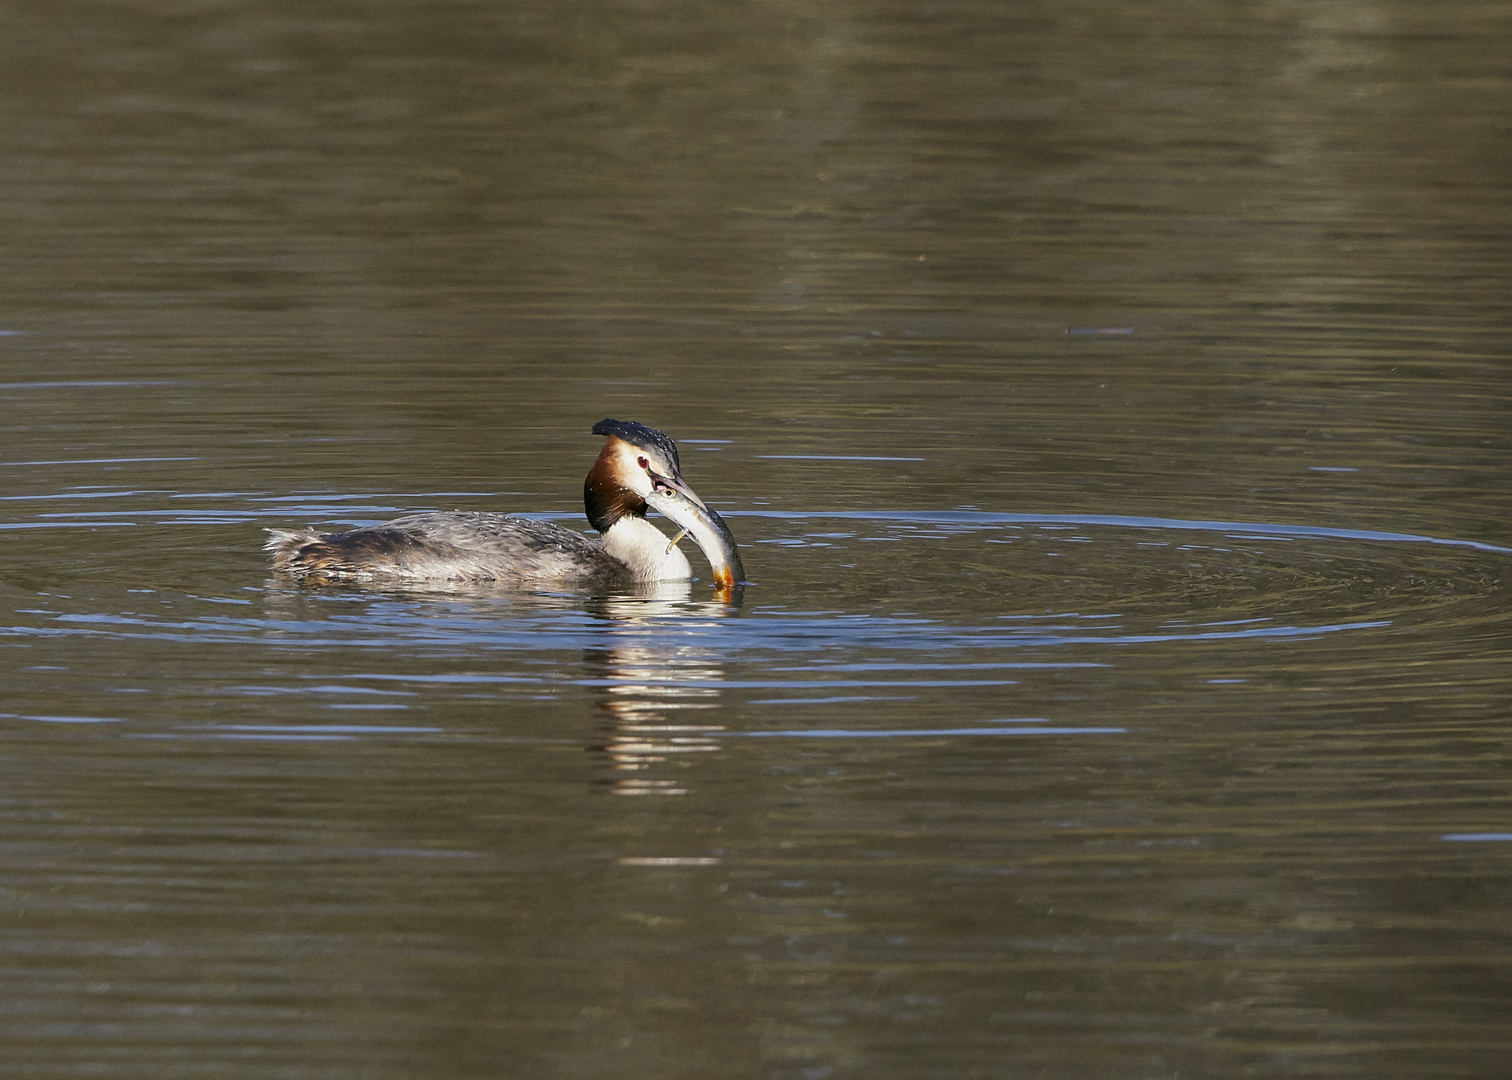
[{"x": 676, "y": 501}]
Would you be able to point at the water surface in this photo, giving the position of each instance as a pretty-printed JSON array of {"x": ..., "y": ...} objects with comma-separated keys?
[{"x": 1112, "y": 406}]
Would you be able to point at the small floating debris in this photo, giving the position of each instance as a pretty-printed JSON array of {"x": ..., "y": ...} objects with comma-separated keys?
[{"x": 1087, "y": 331}]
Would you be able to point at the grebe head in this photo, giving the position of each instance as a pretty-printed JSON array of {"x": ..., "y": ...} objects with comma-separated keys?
[
  {"x": 639, "y": 466},
  {"x": 634, "y": 458}
]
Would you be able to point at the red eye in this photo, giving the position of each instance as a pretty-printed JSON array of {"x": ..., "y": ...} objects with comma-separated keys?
[{"x": 643, "y": 463}]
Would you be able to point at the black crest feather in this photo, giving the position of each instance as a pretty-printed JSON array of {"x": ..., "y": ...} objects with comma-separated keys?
[{"x": 640, "y": 435}]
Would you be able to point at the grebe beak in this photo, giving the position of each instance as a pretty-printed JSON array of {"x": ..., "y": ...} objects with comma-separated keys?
[{"x": 677, "y": 501}]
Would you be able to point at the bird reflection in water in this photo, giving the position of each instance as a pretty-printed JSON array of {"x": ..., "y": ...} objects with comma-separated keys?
[{"x": 662, "y": 687}]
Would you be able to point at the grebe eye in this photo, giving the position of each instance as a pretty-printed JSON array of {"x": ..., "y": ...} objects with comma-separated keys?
[{"x": 643, "y": 463}]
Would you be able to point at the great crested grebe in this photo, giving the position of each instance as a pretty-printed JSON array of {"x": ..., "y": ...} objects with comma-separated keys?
[{"x": 637, "y": 468}]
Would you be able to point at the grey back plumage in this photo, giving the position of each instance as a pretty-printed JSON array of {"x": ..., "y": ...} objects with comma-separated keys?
[{"x": 455, "y": 546}]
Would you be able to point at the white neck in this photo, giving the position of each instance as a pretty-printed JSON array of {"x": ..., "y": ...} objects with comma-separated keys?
[{"x": 643, "y": 547}]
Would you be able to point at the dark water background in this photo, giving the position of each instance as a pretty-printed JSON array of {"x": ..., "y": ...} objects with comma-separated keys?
[{"x": 1112, "y": 402}]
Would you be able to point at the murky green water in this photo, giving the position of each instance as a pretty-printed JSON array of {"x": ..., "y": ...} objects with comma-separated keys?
[{"x": 1112, "y": 402}]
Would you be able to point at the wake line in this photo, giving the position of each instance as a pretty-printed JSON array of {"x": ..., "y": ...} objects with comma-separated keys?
[{"x": 975, "y": 517}]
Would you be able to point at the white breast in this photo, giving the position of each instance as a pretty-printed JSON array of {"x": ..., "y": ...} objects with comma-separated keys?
[{"x": 641, "y": 546}]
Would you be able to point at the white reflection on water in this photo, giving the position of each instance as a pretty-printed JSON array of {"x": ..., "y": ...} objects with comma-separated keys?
[
  {"x": 61, "y": 719},
  {"x": 840, "y": 733},
  {"x": 653, "y": 691}
]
